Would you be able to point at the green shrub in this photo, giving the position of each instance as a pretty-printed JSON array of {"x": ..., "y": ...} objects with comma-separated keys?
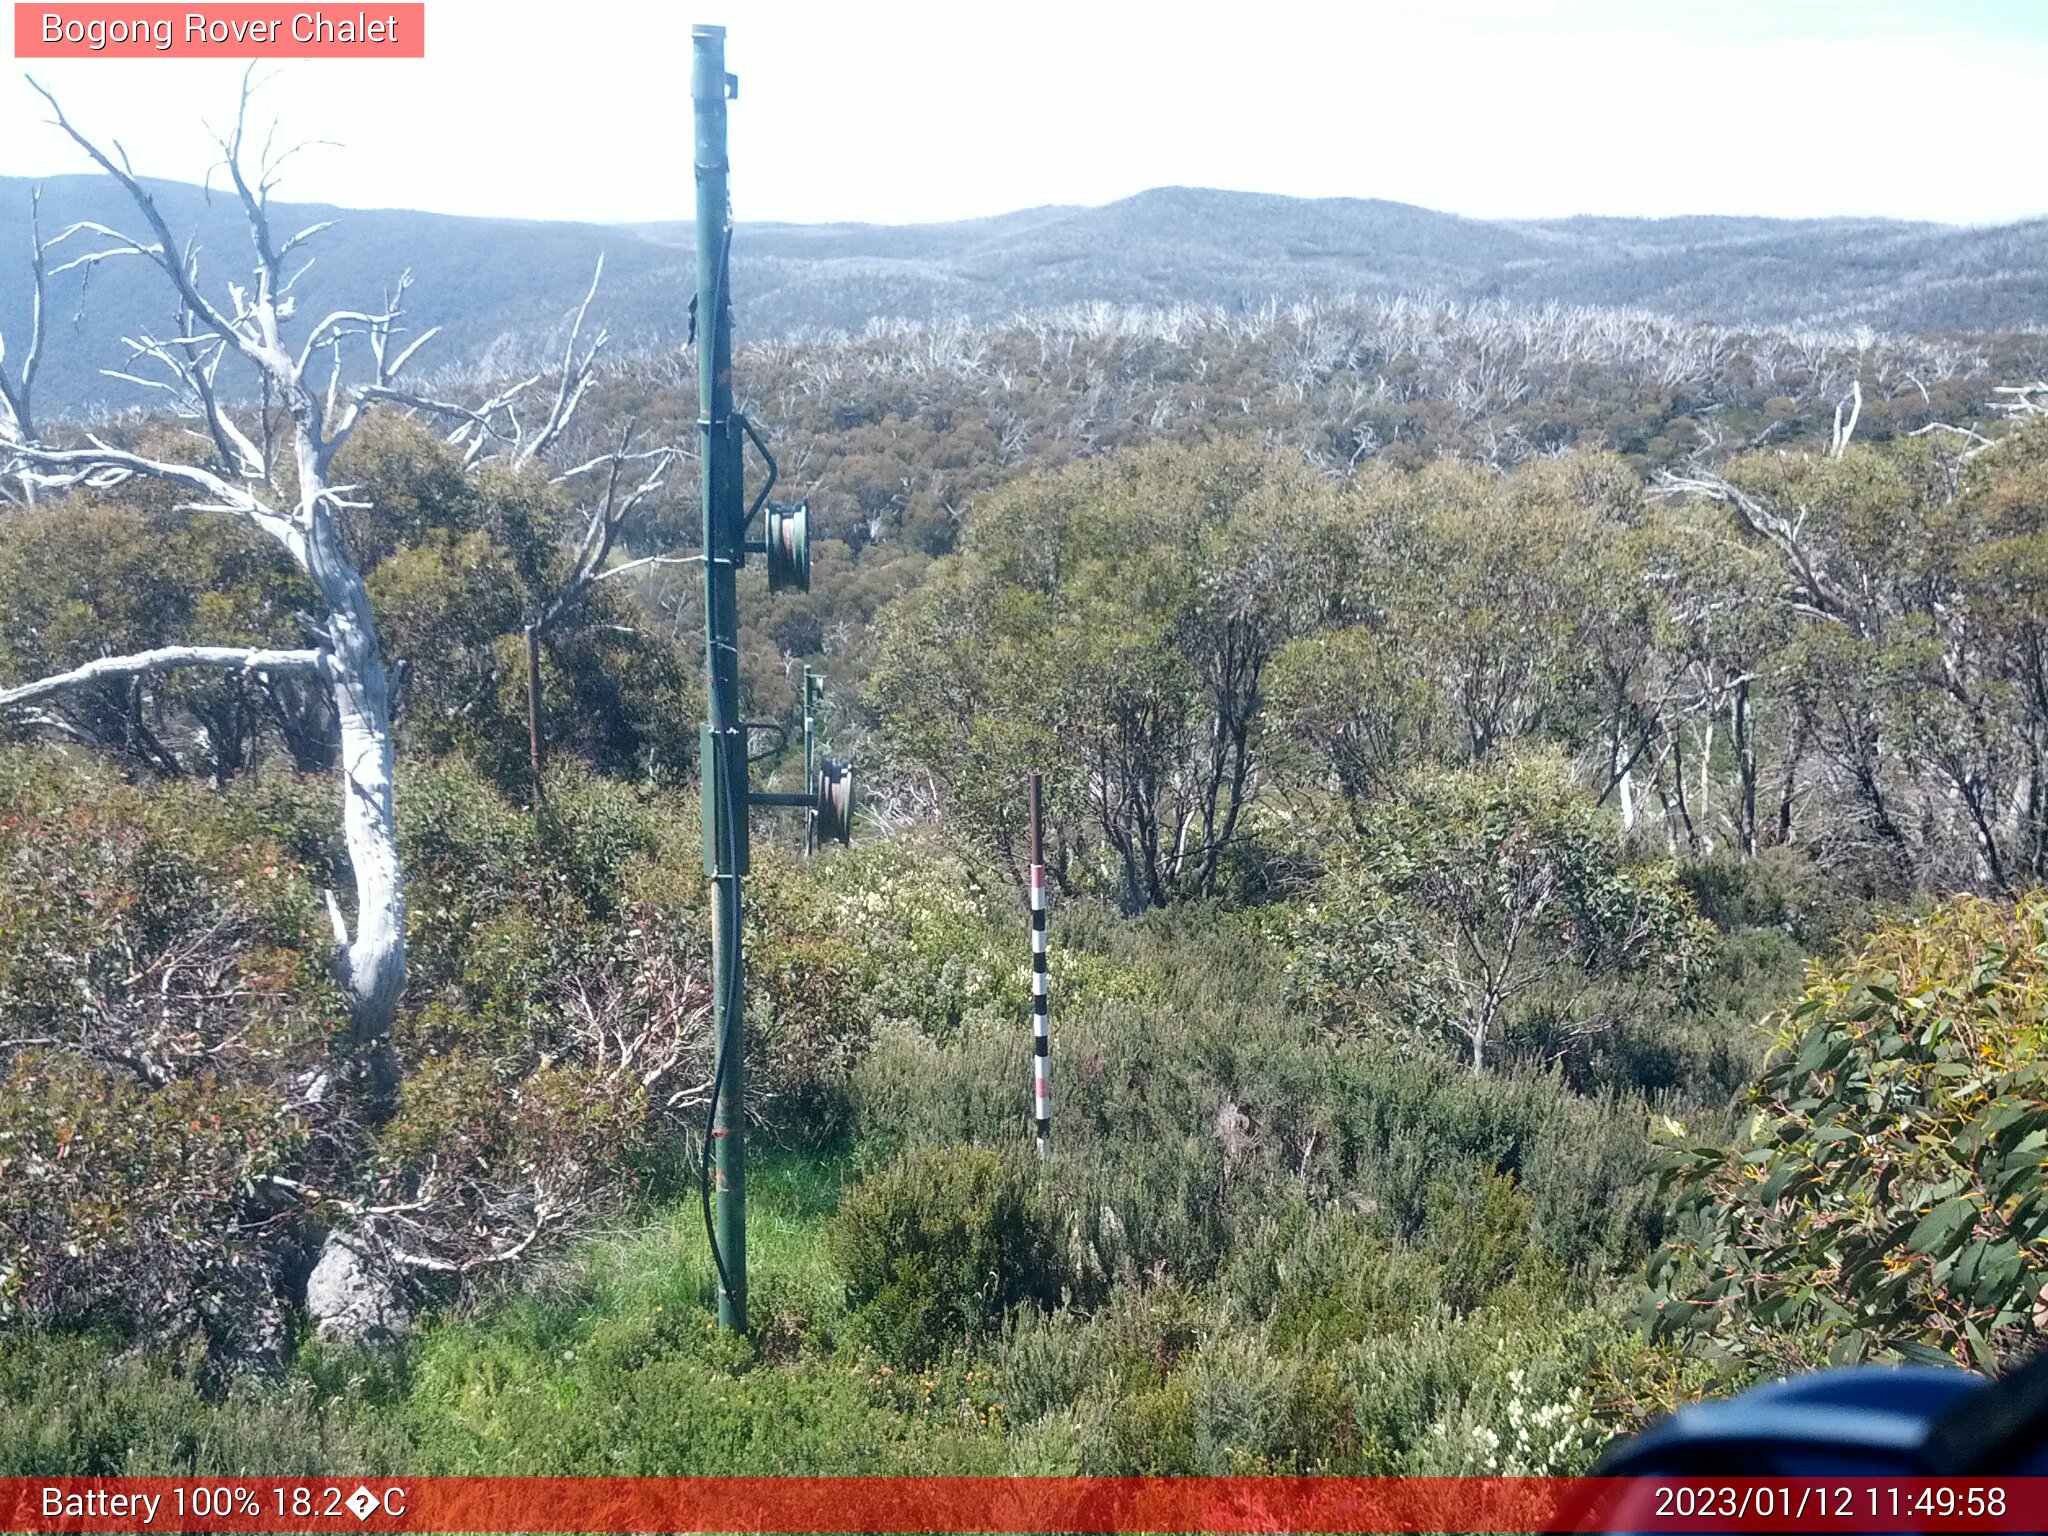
[
  {"x": 939, "y": 1248},
  {"x": 931, "y": 955},
  {"x": 1185, "y": 1118},
  {"x": 137, "y": 1204},
  {"x": 1138, "y": 1337},
  {"x": 91, "y": 1405},
  {"x": 1887, "y": 1196},
  {"x": 1477, "y": 1230},
  {"x": 1698, "y": 1055},
  {"x": 1505, "y": 1391},
  {"x": 1323, "y": 1349},
  {"x": 1495, "y": 912},
  {"x": 1254, "y": 1410},
  {"x": 469, "y": 857},
  {"x": 1779, "y": 888},
  {"x": 808, "y": 1020},
  {"x": 163, "y": 986},
  {"x": 165, "y": 978},
  {"x": 1323, "y": 1282}
]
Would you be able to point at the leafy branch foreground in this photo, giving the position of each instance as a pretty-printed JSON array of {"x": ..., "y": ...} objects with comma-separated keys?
[{"x": 1887, "y": 1196}]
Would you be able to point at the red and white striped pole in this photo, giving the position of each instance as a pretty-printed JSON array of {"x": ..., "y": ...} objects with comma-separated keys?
[{"x": 1041, "y": 1023}]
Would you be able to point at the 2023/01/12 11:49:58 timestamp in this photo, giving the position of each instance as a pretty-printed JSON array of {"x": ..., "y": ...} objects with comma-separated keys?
[{"x": 1827, "y": 1504}]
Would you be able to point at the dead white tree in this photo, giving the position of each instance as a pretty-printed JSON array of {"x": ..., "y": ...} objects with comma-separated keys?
[
  {"x": 17, "y": 419},
  {"x": 1848, "y": 410},
  {"x": 614, "y": 503},
  {"x": 2022, "y": 400},
  {"x": 273, "y": 469},
  {"x": 492, "y": 430}
]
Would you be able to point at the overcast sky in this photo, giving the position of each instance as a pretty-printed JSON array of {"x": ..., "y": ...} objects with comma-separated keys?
[{"x": 902, "y": 110}]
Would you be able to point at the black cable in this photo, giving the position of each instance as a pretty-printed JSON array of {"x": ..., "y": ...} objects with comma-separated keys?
[{"x": 729, "y": 982}]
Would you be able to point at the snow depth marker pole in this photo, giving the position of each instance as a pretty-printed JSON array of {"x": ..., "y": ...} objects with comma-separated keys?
[{"x": 1041, "y": 1023}]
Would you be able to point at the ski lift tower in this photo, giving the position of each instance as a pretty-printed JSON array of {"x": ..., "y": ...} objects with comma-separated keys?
[{"x": 722, "y": 434}]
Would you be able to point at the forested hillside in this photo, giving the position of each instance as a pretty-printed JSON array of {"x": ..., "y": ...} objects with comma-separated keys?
[
  {"x": 496, "y": 285},
  {"x": 1517, "y": 775}
]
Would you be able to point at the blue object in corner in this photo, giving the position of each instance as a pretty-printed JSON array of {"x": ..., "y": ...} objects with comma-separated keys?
[{"x": 1869, "y": 1420}]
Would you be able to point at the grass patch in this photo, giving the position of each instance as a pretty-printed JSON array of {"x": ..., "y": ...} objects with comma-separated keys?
[{"x": 611, "y": 1365}]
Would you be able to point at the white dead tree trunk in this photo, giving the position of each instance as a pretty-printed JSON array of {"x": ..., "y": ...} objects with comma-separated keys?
[
  {"x": 1847, "y": 412},
  {"x": 275, "y": 475},
  {"x": 1821, "y": 596},
  {"x": 17, "y": 418}
]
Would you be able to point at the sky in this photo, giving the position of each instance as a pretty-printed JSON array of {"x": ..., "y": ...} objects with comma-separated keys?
[{"x": 900, "y": 111}]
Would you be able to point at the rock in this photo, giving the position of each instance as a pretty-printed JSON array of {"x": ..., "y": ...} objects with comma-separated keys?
[
  {"x": 353, "y": 1297},
  {"x": 249, "y": 1332},
  {"x": 262, "y": 1340}
]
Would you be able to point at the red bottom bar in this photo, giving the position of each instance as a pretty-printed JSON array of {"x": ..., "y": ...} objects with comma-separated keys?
[{"x": 1020, "y": 1505}]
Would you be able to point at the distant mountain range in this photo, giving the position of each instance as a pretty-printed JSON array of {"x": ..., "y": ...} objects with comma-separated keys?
[{"x": 500, "y": 287}]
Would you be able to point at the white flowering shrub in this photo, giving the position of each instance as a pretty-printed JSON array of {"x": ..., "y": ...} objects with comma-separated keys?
[
  {"x": 931, "y": 938},
  {"x": 945, "y": 951},
  {"x": 1521, "y": 1433}
]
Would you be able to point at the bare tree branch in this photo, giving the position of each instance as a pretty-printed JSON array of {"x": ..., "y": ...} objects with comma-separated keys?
[
  {"x": 576, "y": 377},
  {"x": 163, "y": 253},
  {"x": 626, "y": 567},
  {"x": 476, "y": 426},
  {"x": 605, "y": 518},
  {"x": 1978, "y": 441},
  {"x": 2022, "y": 399},
  {"x": 101, "y": 466},
  {"x": 166, "y": 658},
  {"x": 1826, "y": 598}
]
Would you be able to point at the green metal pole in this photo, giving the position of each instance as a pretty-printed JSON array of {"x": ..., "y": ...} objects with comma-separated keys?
[{"x": 724, "y": 767}]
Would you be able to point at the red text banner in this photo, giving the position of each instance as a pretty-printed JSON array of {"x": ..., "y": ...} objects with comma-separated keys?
[
  {"x": 1019, "y": 1505},
  {"x": 220, "y": 31}
]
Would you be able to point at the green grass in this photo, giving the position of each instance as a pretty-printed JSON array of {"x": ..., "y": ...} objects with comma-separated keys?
[{"x": 611, "y": 1365}]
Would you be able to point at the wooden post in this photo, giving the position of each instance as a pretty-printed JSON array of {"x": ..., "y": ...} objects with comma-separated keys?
[{"x": 533, "y": 738}]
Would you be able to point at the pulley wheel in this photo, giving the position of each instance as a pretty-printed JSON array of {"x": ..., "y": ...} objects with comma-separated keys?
[
  {"x": 789, "y": 547},
  {"x": 835, "y": 802}
]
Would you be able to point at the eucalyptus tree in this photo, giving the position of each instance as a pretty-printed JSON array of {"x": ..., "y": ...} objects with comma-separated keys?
[
  {"x": 1909, "y": 597},
  {"x": 1496, "y": 909},
  {"x": 1114, "y": 623}
]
